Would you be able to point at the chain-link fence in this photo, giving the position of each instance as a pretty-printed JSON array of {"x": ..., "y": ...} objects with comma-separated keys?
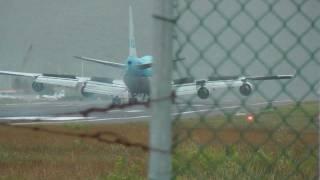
[
  {"x": 243, "y": 122},
  {"x": 271, "y": 133}
]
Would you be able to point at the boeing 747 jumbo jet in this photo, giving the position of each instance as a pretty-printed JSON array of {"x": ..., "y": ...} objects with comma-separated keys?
[{"x": 136, "y": 81}]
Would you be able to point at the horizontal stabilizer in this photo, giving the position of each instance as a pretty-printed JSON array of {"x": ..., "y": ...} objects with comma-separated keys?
[
  {"x": 108, "y": 63},
  {"x": 144, "y": 66}
]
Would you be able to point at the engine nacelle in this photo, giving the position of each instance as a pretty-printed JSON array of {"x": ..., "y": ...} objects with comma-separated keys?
[
  {"x": 38, "y": 87},
  {"x": 203, "y": 92},
  {"x": 246, "y": 89}
]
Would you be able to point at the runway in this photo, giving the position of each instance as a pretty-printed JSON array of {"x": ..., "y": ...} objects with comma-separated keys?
[{"x": 54, "y": 112}]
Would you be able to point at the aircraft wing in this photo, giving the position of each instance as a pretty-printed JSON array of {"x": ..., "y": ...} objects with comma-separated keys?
[
  {"x": 110, "y": 89},
  {"x": 19, "y": 74},
  {"x": 94, "y": 85},
  {"x": 192, "y": 88},
  {"x": 274, "y": 77},
  {"x": 189, "y": 86},
  {"x": 270, "y": 77}
]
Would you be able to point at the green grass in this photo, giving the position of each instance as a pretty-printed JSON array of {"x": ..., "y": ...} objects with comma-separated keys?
[
  {"x": 294, "y": 116},
  {"x": 124, "y": 171},
  {"x": 238, "y": 162},
  {"x": 282, "y": 143}
]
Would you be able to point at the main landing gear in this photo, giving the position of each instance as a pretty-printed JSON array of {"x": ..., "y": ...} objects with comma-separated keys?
[
  {"x": 116, "y": 100},
  {"x": 138, "y": 98},
  {"x": 133, "y": 100}
]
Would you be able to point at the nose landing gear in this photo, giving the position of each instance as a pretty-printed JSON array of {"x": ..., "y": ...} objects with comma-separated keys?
[
  {"x": 139, "y": 98},
  {"x": 133, "y": 100},
  {"x": 116, "y": 100}
]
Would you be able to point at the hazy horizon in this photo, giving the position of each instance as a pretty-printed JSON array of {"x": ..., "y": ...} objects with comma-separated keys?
[{"x": 58, "y": 30}]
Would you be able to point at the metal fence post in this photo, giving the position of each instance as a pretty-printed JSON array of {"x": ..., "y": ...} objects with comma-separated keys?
[
  {"x": 318, "y": 116},
  {"x": 160, "y": 125}
]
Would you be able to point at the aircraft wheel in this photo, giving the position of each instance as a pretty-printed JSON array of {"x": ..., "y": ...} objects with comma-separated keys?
[
  {"x": 133, "y": 100},
  {"x": 116, "y": 101}
]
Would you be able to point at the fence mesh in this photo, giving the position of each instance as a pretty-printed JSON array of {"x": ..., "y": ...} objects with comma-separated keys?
[{"x": 273, "y": 132}]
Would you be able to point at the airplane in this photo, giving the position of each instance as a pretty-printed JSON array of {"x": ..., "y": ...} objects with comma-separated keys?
[{"x": 136, "y": 79}]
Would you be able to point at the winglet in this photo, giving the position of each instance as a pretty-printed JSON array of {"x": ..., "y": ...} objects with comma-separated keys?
[{"x": 132, "y": 42}]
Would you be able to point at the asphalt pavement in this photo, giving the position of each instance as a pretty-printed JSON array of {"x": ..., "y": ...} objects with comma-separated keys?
[{"x": 53, "y": 112}]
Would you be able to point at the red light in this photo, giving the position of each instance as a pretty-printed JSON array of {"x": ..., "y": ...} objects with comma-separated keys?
[{"x": 250, "y": 118}]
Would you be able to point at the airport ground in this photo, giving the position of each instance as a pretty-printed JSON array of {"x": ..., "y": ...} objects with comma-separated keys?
[
  {"x": 32, "y": 110},
  {"x": 269, "y": 147}
]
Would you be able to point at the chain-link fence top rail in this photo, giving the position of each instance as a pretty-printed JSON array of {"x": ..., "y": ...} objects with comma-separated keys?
[{"x": 224, "y": 38}]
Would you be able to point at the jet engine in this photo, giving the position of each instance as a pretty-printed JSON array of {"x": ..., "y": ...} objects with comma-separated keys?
[
  {"x": 38, "y": 87},
  {"x": 203, "y": 92},
  {"x": 246, "y": 89}
]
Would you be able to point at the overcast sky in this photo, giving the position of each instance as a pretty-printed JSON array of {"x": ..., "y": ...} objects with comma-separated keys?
[{"x": 59, "y": 29}]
